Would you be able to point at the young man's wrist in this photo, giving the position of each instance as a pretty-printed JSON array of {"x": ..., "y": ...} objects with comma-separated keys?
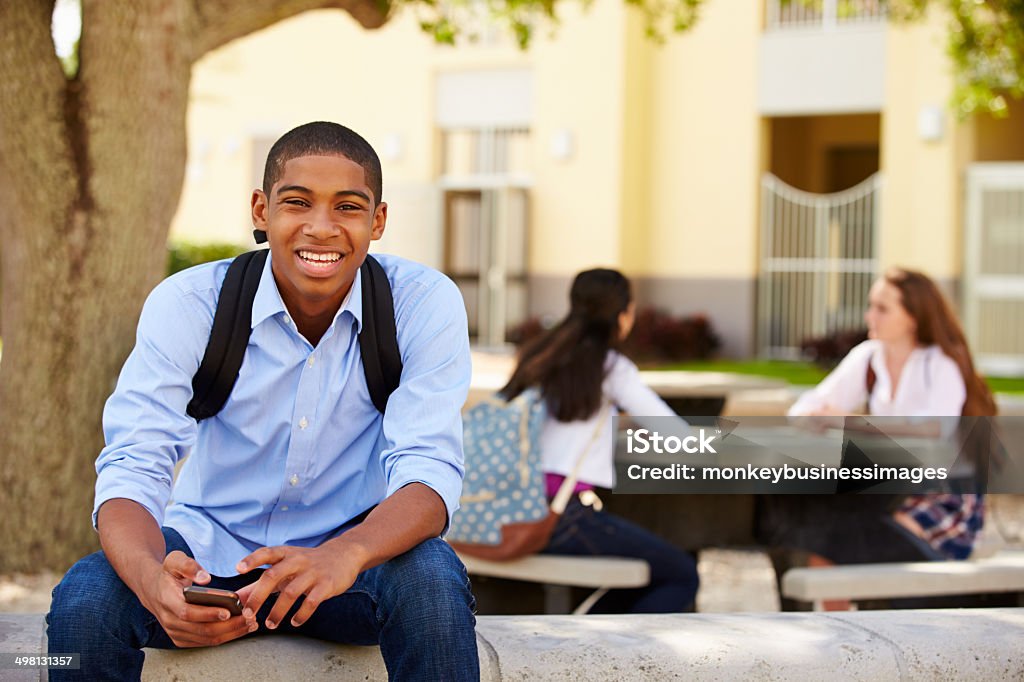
[
  {"x": 350, "y": 550},
  {"x": 146, "y": 582}
]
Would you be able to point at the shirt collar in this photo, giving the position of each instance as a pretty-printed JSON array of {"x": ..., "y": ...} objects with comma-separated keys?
[{"x": 268, "y": 301}]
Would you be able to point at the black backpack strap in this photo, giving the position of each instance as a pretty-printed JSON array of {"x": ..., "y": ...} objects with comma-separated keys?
[
  {"x": 378, "y": 340},
  {"x": 229, "y": 337}
]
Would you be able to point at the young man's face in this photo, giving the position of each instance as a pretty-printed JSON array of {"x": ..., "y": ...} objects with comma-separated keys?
[{"x": 320, "y": 218}]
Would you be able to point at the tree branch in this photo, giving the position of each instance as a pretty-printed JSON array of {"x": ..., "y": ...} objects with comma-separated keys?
[{"x": 221, "y": 21}]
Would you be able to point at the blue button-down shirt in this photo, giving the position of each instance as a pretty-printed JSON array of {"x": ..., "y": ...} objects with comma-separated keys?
[{"x": 299, "y": 450}]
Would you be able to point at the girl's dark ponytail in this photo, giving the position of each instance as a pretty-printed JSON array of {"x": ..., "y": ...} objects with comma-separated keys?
[{"x": 567, "y": 363}]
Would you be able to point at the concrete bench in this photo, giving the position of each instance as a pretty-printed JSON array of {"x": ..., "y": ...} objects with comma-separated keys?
[
  {"x": 963, "y": 644},
  {"x": 559, "y": 573},
  {"x": 1003, "y": 572}
]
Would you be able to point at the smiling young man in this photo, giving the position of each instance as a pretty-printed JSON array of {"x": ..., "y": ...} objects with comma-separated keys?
[{"x": 322, "y": 513}]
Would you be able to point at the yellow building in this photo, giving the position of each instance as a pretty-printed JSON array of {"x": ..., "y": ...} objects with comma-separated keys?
[{"x": 761, "y": 168}]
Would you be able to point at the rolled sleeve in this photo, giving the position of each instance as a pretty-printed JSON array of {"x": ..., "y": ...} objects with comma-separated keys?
[
  {"x": 423, "y": 422},
  {"x": 447, "y": 485},
  {"x": 144, "y": 422},
  {"x": 116, "y": 482}
]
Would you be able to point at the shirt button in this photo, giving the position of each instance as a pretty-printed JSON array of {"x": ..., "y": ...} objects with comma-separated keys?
[
  {"x": 311, "y": 360},
  {"x": 294, "y": 480},
  {"x": 284, "y": 508},
  {"x": 303, "y": 423},
  {"x": 287, "y": 320}
]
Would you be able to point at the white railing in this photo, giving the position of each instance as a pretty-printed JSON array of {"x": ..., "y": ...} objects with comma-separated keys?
[
  {"x": 822, "y": 14},
  {"x": 818, "y": 260},
  {"x": 993, "y": 301}
]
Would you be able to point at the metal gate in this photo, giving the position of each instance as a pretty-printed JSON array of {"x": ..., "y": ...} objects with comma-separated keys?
[
  {"x": 993, "y": 304},
  {"x": 819, "y": 255}
]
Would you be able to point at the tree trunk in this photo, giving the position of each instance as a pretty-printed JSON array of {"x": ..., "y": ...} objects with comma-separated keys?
[{"x": 90, "y": 175}]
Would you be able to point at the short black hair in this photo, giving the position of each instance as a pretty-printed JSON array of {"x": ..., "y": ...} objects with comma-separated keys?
[{"x": 323, "y": 138}]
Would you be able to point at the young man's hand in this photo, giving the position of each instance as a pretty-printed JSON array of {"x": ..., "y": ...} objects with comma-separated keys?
[
  {"x": 316, "y": 573},
  {"x": 399, "y": 523},
  {"x": 189, "y": 625}
]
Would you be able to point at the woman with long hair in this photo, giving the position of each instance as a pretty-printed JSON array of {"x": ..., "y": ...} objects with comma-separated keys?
[
  {"x": 583, "y": 379},
  {"x": 915, "y": 363},
  {"x": 915, "y": 344}
]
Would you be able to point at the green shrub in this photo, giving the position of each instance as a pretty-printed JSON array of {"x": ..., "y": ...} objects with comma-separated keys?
[
  {"x": 182, "y": 255},
  {"x": 827, "y": 351},
  {"x": 657, "y": 337}
]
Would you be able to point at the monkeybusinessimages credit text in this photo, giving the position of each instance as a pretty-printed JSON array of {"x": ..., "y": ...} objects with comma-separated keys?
[{"x": 644, "y": 441}]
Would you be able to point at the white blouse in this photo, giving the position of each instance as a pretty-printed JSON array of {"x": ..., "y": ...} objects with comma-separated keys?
[
  {"x": 930, "y": 385},
  {"x": 562, "y": 443}
]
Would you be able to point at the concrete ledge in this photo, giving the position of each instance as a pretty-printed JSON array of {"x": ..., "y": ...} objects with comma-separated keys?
[
  {"x": 972, "y": 644},
  {"x": 560, "y": 572},
  {"x": 22, "y": 634},
  {"x": 587, "y": 571},
  {"x": 1003, "y": 572},
  {"x": 768, "y": 402}
]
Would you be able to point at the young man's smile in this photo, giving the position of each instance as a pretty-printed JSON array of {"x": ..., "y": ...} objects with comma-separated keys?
[{"x": 318, "y": 263}]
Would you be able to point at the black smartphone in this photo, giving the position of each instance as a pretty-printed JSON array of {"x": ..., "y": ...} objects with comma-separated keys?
[{"x": 210, "y": 596}]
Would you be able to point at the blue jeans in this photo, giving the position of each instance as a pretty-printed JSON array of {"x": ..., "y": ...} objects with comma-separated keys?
[
  {"x": 418, "y": 607},
  {"x": 582, "y": 531}
]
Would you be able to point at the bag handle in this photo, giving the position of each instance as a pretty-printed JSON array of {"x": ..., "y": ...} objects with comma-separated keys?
[{"x": 565, "y": 490}]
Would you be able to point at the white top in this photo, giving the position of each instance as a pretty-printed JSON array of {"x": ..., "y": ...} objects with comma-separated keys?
[
  {"x": 930, "y": 386},
  {"x": 562, "y": 443}
]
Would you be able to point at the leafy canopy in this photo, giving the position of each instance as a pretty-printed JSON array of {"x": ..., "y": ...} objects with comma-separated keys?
[{"x": 986, "y": 45}]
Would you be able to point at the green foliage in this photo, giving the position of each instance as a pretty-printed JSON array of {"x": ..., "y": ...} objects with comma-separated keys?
[
  {"x": 806, "y": 373},
  {"x": 662, "y": 17},
  {"x": 182, "y": 255},
  {"x": 795, "y": 373},
  {"x": 1011, "y": 385},
  {"x": 986, "y": 46},
  {"x": 452, "y": 20},
  {"x": 986, "y": 42}
]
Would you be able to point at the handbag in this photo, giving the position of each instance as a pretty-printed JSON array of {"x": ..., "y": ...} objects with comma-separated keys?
[{"x": 503, "y": 512}]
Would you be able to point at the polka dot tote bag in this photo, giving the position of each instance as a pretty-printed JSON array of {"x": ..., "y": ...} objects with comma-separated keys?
[{"x": 504, "y": 483}]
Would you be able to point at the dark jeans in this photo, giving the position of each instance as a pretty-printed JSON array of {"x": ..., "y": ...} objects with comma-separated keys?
[
  {"x": 581, "y": 531},
  {"x": 846, "y": 529},
  {"x": 418, "y": 607}
]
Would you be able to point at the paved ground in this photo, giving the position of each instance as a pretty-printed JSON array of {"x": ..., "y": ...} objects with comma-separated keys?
[{"x": 21, "y": 593}]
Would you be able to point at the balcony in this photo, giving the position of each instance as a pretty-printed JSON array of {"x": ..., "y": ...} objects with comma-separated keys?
[
  {"x": 783, "y": 15},
  {"x": 822, "y": 57}
]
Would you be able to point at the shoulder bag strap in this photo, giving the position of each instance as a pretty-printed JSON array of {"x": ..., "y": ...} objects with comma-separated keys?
[
  {"x": 565, "y": 491},
  {"x": 378, "y": 340},
  {"x": 229, "y": 336}
]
